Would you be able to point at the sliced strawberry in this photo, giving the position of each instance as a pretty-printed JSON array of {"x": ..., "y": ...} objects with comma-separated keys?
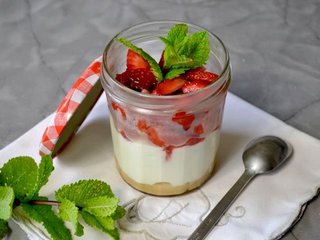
[
  {"x": 184, "y": 119},
  {"x": 116, "y": 107},
  {"x": 135, "y": 60},
  {"x": 194, "y": 85},
  {"x": 137, "y": 79},
  {"x": 169, "y": 86},
  {"x": 200, "y": 73},
  {"x": 151, "y": 132},
  {"x": 154, "y": 137},
  {"x": 198, "y": 129},
  {"x": 142, "y": 125}
]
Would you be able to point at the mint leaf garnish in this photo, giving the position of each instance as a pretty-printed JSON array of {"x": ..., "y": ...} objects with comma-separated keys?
[
  {"x": 184, "y": 51},
  {"x": 68, "y": 211},
  {"x": 44, "y": 215},
  {"x": 20, "y": 173},
  {"x": 198, "y": 48},
  {"x": 6, "y": 201},
  {"x": 177, "y": 35},
  {"x": 105, "y": 224},
  {"x": 4, "y": 228},
  {"x": 156, "y": 70}
]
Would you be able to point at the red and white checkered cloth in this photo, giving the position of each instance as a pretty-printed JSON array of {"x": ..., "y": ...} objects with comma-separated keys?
[{"x": 68, "y": 106}]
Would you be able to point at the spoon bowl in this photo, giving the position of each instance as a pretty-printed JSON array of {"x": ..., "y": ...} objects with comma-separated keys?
[{"x": 263, "y": 155}]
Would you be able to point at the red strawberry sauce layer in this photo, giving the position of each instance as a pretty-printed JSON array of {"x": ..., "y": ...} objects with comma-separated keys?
[{"x": 168, "y": 131}]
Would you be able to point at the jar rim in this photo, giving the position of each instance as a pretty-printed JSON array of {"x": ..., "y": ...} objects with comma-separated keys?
[{"x": 167, "y": 97}]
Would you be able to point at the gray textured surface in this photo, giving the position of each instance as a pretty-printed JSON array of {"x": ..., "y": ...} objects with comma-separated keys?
[{"x": 274, "y": 48}]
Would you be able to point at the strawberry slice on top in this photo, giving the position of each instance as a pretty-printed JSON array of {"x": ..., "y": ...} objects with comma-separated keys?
[
  {"x": 135, "y": 61},
  {"x": 169, "y": 86},
  {"x": 194, "y": 85},
  {"x": 200, "y": 73}
]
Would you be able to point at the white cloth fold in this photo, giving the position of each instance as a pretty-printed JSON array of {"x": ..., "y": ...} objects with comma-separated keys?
[{"x": 266, "y": 208}]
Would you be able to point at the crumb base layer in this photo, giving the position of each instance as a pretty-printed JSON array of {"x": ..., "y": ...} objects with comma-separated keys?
[{"x": 165, "y": 188}]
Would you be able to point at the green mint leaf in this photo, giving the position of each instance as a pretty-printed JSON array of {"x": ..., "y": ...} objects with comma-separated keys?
[
  {"x": 173, "y": 55},
  {"x": 105, "y": 224},
  {"x": 177, "y": 34},
  {"x": 199, "y": 48},
  {"x": 44, "y": 215},
  {"x": 101, "y": 206},
  {"x": 184, "y": 51},
  {"x": 20, "y": 173},
  {"x": 119, "y": 213},
  {"x": 6, "y": 201},
  {"x": 174, "y": 60},
  {"x": 4, "y": 228},
  {"x": 45, "y": 169},
  {"x": 156, "y": 70},
  {"x": 68, "y": 211},
  {"x": 83, "y": 190},
  {"x": 175, "y": 72}
]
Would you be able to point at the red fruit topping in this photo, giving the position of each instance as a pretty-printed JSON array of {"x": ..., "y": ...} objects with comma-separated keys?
[
  {"x": 135, "y": 60},
  {"x": 169, "y": 86},
  {"x": 142, "y": 125},
  {"x": 153, "y": 136},
  {"x": 194, "y": 85},
  {"x": 200, "y": 74},
  {"x": 137, "y": 79},
  {"x": 198, "y": 129},
  {"x": 193, "y": 141},
  {"x": 116, "y": 107},
  {"x": 183, "y": 119}
]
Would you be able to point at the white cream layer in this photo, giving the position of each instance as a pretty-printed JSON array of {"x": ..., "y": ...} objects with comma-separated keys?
[{"x": 147, "y": 164}]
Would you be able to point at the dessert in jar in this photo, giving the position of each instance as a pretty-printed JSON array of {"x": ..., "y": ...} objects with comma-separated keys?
[{"x": 166, "y": 84}]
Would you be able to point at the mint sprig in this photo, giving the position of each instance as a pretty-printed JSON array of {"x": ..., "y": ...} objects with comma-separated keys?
[
  {"x": 184, "y": 51},
  {"x": 92, "y": 200}
]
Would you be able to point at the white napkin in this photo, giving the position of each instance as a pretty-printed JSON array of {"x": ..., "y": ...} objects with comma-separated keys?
[{"x": 265, "y": 210}]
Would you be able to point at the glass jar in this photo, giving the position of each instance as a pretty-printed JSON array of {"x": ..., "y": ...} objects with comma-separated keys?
[{"x": 164, "y": 145}]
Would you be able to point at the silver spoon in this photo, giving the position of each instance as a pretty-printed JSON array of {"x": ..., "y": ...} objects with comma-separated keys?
[{"x": 262, "y": 155}]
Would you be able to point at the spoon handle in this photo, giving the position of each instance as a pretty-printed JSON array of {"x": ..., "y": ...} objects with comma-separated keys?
[{"x": 215, "y": 215}]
